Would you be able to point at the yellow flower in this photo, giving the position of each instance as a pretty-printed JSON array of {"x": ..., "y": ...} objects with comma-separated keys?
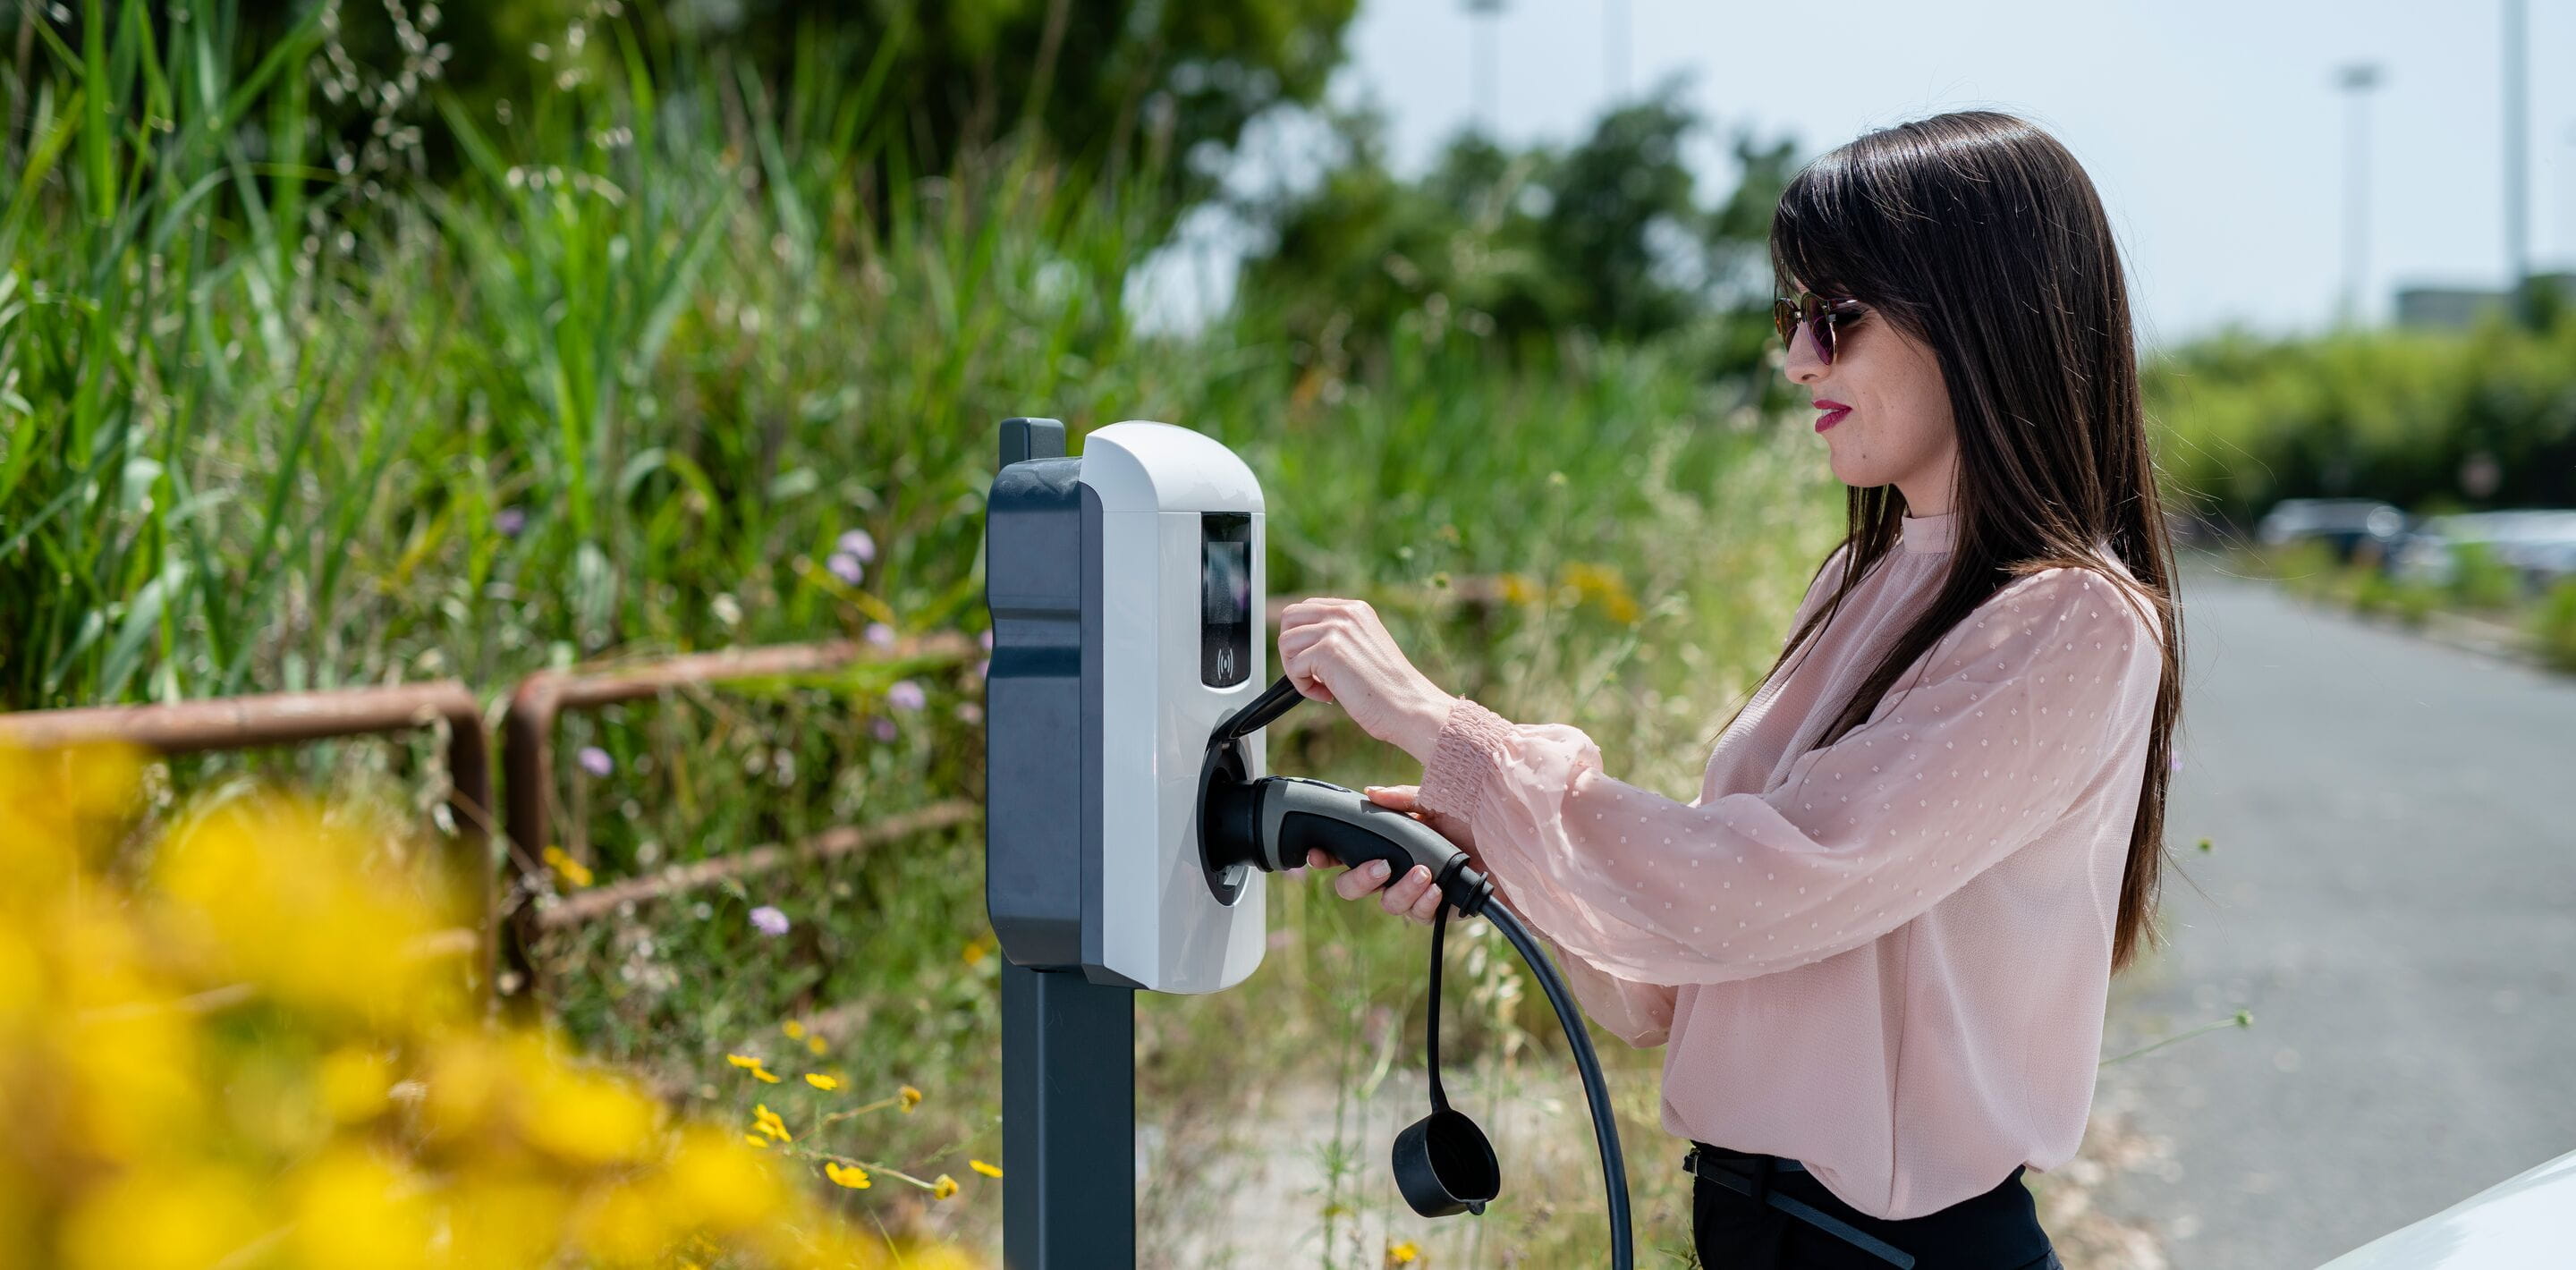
[
  {"x": 943, "y": 1186},
  {"x": 825, "y": 1083},
  {"x": 1601, "y": 583},
  {"x": 571, "y": 870},
  {"x": 814, "y": 1045},
  {"x": 911, "y": 1099},
  {"x": 709, "y": 1183},
  {"x": 1402, "y": 1253},
  {"x": 765, "y": 1074},
  {"x": 974, "y": 951},
  {"x": 590, "y": 1118},
  {"x": 795, "y": 1031},
  {"x": 983, "y": 1168},
  {"x": 398, "y": 1131},
  {"x": 352, "y": 1082}
]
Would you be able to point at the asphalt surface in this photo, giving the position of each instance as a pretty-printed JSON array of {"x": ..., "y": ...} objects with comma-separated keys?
[{"x": 2392, "y": 892}]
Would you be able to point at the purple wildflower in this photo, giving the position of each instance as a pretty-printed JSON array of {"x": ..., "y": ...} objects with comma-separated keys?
[
  {"x": 769, "y": 920},
  {"x": 856, "y": 542},
  {"x": 846, "y": 567},
  {"x": 969, "y": 712},
  {"x": 882, "y": 729},
  {"x": 987, "y": 638},
  {"x": 982, "y": 667},
  {"x": 906, "y": 695},
  {"x": 595, "y": 761},
  {"x": 880, "y": 635},
  {"x": 510, "y": 520}
]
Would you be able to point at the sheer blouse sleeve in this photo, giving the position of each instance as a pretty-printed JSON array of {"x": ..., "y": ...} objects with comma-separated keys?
[
  {"x": 1981, "y": 747},
  {"x": 1639, "y": 1013}
]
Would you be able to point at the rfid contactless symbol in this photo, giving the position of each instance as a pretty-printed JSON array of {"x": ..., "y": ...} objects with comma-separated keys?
[{"x": 1126, "y": 596}]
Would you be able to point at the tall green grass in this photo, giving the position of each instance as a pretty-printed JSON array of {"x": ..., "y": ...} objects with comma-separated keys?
[{"x": 623, "y": 386}]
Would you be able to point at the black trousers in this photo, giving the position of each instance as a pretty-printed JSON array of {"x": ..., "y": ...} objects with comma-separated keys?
[{"x": 1731, "y": 1230}]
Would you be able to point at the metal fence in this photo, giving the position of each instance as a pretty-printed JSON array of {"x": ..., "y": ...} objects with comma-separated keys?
[{"x": 505, "y": 921}]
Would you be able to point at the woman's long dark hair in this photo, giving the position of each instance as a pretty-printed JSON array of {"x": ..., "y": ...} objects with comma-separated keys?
[{"x": 1979, "y": 235}]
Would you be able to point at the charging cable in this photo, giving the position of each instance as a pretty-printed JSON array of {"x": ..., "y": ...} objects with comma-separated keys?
[{"x": 1443, "y": 1163}]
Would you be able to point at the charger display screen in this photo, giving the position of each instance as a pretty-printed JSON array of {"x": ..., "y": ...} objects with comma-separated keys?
[{"x": 1225, "y": 598}]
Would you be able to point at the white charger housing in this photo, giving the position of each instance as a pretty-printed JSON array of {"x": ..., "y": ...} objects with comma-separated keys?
[{"x": 1127, "y": 592}]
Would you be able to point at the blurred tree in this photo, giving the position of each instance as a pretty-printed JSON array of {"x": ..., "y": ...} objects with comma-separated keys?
[{"x": 1608, "y": 236}]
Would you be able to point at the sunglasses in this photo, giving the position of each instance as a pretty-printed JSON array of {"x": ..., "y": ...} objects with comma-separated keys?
[{"x": 1821, "y": 315}]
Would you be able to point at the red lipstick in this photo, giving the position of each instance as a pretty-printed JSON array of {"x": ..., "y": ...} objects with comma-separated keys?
[{"x": 1833, "y": 413}]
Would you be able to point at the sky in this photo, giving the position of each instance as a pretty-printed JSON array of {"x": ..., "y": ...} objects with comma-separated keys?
[{"x": 2214, "y": 132}]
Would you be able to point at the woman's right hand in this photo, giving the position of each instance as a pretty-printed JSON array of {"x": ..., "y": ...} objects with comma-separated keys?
[{"x": 1413, "y": 895}]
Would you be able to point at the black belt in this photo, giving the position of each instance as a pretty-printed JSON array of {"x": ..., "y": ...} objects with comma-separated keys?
[{"x": 1758, "y": 1188}]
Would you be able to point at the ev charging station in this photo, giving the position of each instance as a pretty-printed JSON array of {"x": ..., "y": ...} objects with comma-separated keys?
[{"x": 1130, "y": 820}]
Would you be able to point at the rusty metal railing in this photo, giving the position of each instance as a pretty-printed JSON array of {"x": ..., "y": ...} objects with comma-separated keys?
[
  {"x": 541, "y": 700},
  {"x": 503, "y": 938},
  {"x": 243, "y": 723}
]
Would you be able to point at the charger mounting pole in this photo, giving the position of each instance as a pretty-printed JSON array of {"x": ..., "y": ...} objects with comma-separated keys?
[
  {"x": 1068, "y": 1121},
  {"x": 1068, "y": 1044}
]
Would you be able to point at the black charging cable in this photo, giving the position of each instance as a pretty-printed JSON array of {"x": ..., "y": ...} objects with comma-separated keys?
[
  {"x": 1596, "y": 1088},
  {"x": 1443, "y": 1163}
]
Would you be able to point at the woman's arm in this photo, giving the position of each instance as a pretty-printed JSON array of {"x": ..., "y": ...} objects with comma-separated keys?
[{"x": 2013, "y": 716}]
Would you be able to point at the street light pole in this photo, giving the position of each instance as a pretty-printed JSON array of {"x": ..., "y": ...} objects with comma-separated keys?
[
  {"x": 2517, "y": 196},
  {"x": 2356, "y": 80},
  {"x": 2567, "y": 202},
  {"x": 1487, "y": 15},
  {"x": 1614, "y": 50}
]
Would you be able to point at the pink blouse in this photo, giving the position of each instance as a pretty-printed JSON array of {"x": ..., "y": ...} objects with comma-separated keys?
[{"x": 1886, "y": 958}]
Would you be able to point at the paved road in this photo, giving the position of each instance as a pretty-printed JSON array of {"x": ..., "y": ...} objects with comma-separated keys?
[{"x": 2393, "y": 894}]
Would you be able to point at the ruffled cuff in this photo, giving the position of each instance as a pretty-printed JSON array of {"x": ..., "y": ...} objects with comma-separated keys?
[{"x": 1469, "y": 748}]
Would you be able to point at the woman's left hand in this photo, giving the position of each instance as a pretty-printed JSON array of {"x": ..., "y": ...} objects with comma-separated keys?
[
  {"x": 1412, "y": 895},
  {"x": 1336, "y": 650}
]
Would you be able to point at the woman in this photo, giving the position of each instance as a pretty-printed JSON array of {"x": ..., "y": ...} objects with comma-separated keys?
[{"x": 1878, "y": 944}]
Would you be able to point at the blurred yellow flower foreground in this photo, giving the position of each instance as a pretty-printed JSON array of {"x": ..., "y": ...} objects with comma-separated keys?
[{"x": 250, "y": 1047}]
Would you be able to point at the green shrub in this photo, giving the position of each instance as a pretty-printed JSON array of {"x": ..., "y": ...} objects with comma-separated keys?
[
  {"x": 2308, "y": 568},
  {"x": 2416, "y": 602},
  {"x": 2481, "y": 581},
  {"x": 2555, "y": 626}
]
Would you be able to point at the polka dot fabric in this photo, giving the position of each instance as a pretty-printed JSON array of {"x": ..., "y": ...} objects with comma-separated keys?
[{"x": 1887, "y": 957}]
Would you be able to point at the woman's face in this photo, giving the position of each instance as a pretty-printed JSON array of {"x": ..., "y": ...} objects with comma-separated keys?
[{"x": 1899, "y": 430}]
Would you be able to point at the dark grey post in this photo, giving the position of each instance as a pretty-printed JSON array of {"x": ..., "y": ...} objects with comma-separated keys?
[
  {"x": 1068, "y": 1044},
  {"x": 1068, "y": 1122}
]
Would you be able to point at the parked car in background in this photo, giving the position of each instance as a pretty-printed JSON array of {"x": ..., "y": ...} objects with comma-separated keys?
[
  {"x": 2344, "y": 524},
  {"x": 2526, "y": 1222},
  {"x": 2538, "y": 544}
]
